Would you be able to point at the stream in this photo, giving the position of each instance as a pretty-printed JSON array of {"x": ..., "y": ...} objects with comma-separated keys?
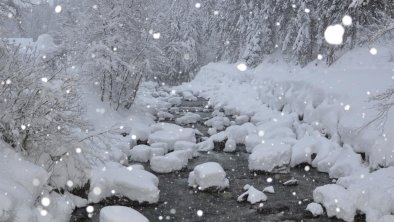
[{"x": 178, "y": 202}]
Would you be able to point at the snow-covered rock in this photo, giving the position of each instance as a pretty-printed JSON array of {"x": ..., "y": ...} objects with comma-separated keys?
[
  {"x": 206, "y": 145},
  {"x": 212, "y": 131},
  {"x": 164, "y": 115},
  {"x": 267, "y": 157},
  {"x": 21, "y": 184},
  {"x": 269, "y": 189},
  {"x": 188, "y": 118},
  {"x": 186, "y": 145},
  {"x": 238, "y": 133},
  {"x": 239, "y": 120},
  {"x": 251, "y": 141},
  {"x": 336, "y": 200},
  {"x": 170, "y": 133},
  {"x": 230, "y": 145},
  {"x": 218, "y": 122},
  {"x": 141, "y": 153},
  {"x": 187, "y": 95},
  {"x": 171, "y": 162},
  {"x": 133, "y": 183},
  {"x": 315, "y": 208},
  {"x": 121, "y": 214},
  {"x": 176, "y": 100},
  {"x": 252, "y": 195},
  {"x": 207, "y": 175},
  {"x": 161, "y": 145}
]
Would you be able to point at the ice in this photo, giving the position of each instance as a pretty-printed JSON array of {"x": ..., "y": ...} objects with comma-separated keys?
[
  {"x": 252, "y": 195},
  {"x": 207, "y": 175},
  {"x": 133, "y": 183},
  {"x": 315, "y": 208},
  {"x": 171, "y": 162},
  {"x": 267, "y": 157},
  {"x": 121, "y": 214},
  {"x": 170, "y": 133},
  {"x": 141, "y": 153},
  {"x": 188, "y": 118}
]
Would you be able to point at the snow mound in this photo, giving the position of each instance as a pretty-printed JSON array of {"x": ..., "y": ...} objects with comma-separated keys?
[
  {"x": 315, "y": 208},
  {"x": 188, "y": 118},
  {"x": 133, "y": 183},
  {"x": 207, "y": 175},
  {"x": 206, "y": 145},
  {"x": 218, "y": 122},
  {"x": 164, "y": 115},
  {"x": 141, "y": 153},
  {"x": 186, "y": 145},
  {"x": 269, "y": 189},
  {"x": 170, "y": 133},
  {"x": 121, "y": 214},
  {"x": 252, "y": 195},
  {"x": 20, "y": 186},
  {"x": 337, "y": 201},
  {"x": 267, "y": 157},
  {"x": 171, "y": 162}
]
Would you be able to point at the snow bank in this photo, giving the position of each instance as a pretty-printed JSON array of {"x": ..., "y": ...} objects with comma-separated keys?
[
  {"x": 133, "y": 183},
  {"x": 208, "y": 175},
  {"x": 20, "y": 186},
  {"x": 121, "y": 214}
]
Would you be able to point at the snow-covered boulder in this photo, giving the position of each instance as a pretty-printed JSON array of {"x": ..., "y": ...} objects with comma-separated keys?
[
  {"x": 164, "y": 115},
  {"x": 141, "y": 153},
  {"x": 252, "y": 195},
  {"x": 133, "y": 183},
  {"x": 348, "y": 163},
  {"x": 239, "y": 120},
  {"x": 269, "y": 189},
  {"x": 170, "y": 133},
  {"x": 121, "y": 214},
  {"x": 207, "y": 175},
  {"x": 161, "y": 145},
  {"x": 188, "y": 118},
  {"x": 218, "y": 122},
  {"x": 238, "y": 133},
  {"x": 230, "y": 145},
  {"x": 251, "y": 141},
  {"x": 267, "y": 157},
  {"x": 315, "y": 209},
  {"x": 176, "y": 101},
  {"x": 171, "y": 162},
  {"x": 187, "y": 95},
  {"x": 186, "y": 145},
  {"x": 337, "y": 201},
  {"x": 206, "y": 145}
]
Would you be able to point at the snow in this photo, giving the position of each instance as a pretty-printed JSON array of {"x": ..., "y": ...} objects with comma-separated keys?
[
  {"x": 20, "y": 186},
  {"x": 267, "y": 157},
  {"x": 218, "y": 122},
  {"x": 252, "y": 195},
  {"x": 206, "y": 145},
  {"x": 188, "y": 118},
  {"x": 207, "y": 175},
  {"x": 186, "y": 145},
  {"x": 315, "y": 208},
  {"x": 170, "y": 133},
  {"x": 174, "y": 161},
  {"x": 230, "y": 145},
  {"x": 133, "y": 183},
  {"x": 141, "y": 153},
  {"x": 334, "y": 34},
  {"x": 121, "y": 214},
  {"x": 269, "y": 189}
]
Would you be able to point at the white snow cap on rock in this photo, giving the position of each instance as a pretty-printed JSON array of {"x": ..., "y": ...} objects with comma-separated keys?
[
  {"x": 121, "y": 214},
  {"x": 252, "y": 195},
  {"x": 133, "y": 183},
  {"x": 170, "y": 133},
  {"x": 188, "y": 118},
  {"x": 267, "y": 157},
  {"x": 207, "y": 175},
  {"x": 269, "y": 189},
  {"x": 315, "y": 208},
  {"x": 171, "y": 162}
]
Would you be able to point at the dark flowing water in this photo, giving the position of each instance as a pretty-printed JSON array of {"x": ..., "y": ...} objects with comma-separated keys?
[{"x": 178, "y": 202}]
